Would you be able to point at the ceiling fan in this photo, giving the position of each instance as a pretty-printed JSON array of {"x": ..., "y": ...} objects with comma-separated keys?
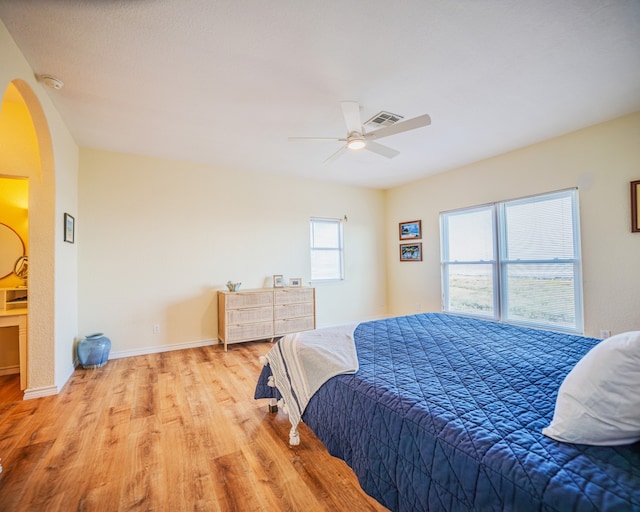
[{"x": 357, "y": 138}]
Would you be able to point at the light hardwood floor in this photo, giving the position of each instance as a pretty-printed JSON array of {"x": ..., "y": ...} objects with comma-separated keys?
[
  {"x": 174, "y": 431},
  {"x": 10, "y": 388}
]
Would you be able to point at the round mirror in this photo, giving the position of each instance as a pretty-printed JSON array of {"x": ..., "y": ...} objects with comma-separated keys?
[{"x": 11, "y": 248}]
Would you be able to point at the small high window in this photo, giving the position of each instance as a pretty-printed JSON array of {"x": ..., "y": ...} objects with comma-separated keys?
[{"x": 326, "y": 249}]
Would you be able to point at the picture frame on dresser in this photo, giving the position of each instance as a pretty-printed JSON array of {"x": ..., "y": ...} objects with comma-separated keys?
[
  {"x": 295, "y": 282},
  {"x": 278, "y": 281}
]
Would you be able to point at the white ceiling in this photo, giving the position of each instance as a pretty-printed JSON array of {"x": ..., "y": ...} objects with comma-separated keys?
[{"x": 226, "y": 82}]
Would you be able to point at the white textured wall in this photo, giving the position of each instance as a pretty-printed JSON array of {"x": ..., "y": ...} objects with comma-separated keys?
[
  {"x": 600, "y": 161},
  {"x": 157, "y": 238},
  {"x": 52, "y": 189}
]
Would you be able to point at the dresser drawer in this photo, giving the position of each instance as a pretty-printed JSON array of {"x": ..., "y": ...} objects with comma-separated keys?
[
  {"x": 304, "y": 323},
  {"x": 255, "y": 331},
  {"x": 291, "y": 295},
  {"x": 249, "y": 315},
  {"x": 248, "y": 300},
  {"x": 293, "y": 310}
]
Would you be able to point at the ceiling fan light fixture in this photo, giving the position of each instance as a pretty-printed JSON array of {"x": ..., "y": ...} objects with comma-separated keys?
[
  {"x": 356, "y": 142},
  {"x": 385, "y": 124}
]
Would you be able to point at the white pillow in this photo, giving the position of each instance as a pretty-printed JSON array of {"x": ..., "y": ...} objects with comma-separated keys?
[{"x": 599, "y": 401}]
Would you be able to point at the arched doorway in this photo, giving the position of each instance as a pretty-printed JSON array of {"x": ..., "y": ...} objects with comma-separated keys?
[{"x": 27, "y": 153}]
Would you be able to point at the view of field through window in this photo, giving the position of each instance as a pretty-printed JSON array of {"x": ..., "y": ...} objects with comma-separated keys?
[
  {"x": 529, "y": 300},
  {"x": 517, "y": 261}
]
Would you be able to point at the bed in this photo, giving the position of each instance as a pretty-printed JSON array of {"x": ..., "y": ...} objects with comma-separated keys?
[{"x": 445, "y": 413}]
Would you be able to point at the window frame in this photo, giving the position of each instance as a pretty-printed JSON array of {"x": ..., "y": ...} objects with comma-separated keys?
[
  {"x": 446, "y": 263},
  {"x": 501, "y": 264},
  {"x": 339, "y": 249}
]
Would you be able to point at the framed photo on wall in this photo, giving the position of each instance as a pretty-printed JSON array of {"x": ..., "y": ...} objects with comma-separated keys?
[
  {"x": 69, "y": 228},
  {"x": 410, "y": 230},
  {"x": 635, "y": 211},
  {"x": 411, "y": 252}
]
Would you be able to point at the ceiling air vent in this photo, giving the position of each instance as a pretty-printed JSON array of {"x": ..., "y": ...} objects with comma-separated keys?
[{"x": 382, "y": 119}]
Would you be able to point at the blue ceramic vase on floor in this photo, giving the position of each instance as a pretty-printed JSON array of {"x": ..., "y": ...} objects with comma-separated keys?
[{"x": 93, "y": 350}]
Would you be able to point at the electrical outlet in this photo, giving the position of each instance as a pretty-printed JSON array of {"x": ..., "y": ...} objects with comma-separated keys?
[
  {"x": 156, "y": 328},
  {"x": 605, "y": 334}
]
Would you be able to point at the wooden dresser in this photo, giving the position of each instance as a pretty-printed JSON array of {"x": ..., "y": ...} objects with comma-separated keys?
[{"x": 264, "y": 313}]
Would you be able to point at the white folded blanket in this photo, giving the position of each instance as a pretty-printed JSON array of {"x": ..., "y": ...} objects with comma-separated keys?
[{"x": 302, "y": 362}]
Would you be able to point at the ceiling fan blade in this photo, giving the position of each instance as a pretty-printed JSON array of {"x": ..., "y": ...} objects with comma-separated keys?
[
  {"x": 381, "y": 150},
  {"x": 293, "y": 139},
  {"x": 333, "y": 157},
  {"x": 351, "y": 113},
  {"x": 402, "y": 126}
]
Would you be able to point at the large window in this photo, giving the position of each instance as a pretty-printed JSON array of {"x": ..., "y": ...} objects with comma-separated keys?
[
  {"x": 516, "y": 261},
  {"x": 326, "y": 249}
]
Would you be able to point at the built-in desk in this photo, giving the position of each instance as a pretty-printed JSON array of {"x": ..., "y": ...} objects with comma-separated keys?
[{"x": 18, "y": 317}]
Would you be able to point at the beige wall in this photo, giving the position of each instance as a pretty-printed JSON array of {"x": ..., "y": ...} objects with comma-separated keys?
[
  {"x": 600, "y": 161},
  {"x": 157, "y": 238}
]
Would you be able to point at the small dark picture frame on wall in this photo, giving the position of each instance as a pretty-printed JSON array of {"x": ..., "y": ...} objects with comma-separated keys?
[
  {"x": 635, "y": 211},
  {"x": 69, "y": 228},
  {"x": 410, "y": 230},
  {"x": 411, "y": 252}
]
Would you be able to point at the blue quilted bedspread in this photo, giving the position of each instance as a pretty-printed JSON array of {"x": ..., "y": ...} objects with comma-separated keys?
[{"x": 445, "y": 414}]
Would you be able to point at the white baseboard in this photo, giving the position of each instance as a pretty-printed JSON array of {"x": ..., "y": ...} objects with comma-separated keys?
[
  {"x": 10, "y": 370},
  {"x": 162, "y": 348},
  {"x": 70, "y": 372},
  {"x": 30, "y": 393}
]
